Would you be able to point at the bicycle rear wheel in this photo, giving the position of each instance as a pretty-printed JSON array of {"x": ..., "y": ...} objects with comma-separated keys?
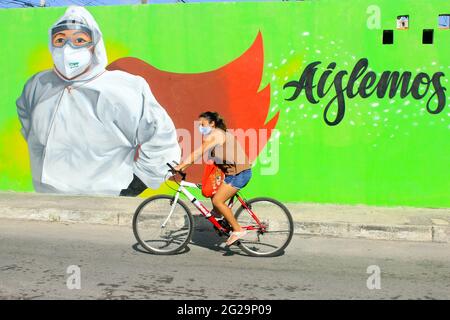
[
  {"x": 158, "y": 233},
  {"x": 276, "y": 233}
]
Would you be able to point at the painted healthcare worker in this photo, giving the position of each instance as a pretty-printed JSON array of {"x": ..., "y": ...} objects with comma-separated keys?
[{"x": 89, "y": 130}]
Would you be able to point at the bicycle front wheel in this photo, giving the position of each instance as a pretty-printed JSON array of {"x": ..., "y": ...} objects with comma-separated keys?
[
  {"x": 272, "y": 235},
  {"x": 157, "y": 230}
]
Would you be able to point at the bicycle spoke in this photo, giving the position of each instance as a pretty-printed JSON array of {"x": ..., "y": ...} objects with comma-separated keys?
[
  {"x": 149, "y": 220},
  {"x": 274, "y": 230}
]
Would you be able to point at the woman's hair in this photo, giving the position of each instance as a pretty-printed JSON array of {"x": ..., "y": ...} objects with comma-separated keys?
[{"x": 214, "y": 116}]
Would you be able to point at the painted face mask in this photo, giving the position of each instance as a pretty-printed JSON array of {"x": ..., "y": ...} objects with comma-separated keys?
[
  {"x": 71, "y": 55},
  {"x": 71, "y": 62},
  {"x": 205, "y": 130}
]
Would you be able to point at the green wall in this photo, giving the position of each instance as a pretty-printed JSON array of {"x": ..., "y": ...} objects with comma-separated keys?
[{"x": 384, "y": 152}]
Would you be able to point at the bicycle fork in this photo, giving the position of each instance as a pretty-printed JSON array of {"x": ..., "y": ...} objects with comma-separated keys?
[{"x": 172, "y": 209}]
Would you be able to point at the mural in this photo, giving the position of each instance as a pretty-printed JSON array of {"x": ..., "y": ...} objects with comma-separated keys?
[
  {"x": 341, "y": 115},
  {"x": 84, "y": 125}
]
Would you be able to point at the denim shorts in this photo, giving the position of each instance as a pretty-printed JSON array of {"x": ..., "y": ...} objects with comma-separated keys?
[{"x": 239, "y": 180}]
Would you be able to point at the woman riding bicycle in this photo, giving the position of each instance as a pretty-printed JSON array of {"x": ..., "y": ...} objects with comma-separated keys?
[{"x": 230, "y": 157}]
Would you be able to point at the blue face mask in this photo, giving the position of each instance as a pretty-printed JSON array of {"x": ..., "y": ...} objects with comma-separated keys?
[{"x": 205, "y": 130}]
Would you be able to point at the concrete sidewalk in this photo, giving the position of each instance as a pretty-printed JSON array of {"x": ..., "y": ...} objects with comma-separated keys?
[{"x": 386, "y": 223}]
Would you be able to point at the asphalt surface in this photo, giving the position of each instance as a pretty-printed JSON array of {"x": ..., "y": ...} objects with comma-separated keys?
[{"x": 35, "y": 257}]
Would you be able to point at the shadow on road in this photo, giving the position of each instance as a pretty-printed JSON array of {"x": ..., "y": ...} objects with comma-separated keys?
[
  {"x": 137, "y": 247},
  {"x": 211, "y": 240},
  {"x": 204, "y": 236}
]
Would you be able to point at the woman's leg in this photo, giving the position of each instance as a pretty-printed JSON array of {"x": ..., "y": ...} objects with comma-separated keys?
[
  {"x": 224, "y": 193},
  {"x": 216, "y": 210}
]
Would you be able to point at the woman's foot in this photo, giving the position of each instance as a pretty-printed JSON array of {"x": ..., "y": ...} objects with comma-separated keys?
[{"x": 235, "y": 235}]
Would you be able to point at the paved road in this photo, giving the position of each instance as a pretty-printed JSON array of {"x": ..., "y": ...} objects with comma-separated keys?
[{"x": 34, "y": 257}]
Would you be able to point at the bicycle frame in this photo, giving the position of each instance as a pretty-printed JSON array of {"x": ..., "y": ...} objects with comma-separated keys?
[{"x": 207, "y": 213}]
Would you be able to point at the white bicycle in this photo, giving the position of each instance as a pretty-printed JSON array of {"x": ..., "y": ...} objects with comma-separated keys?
[{"x": 163, "y": 224}]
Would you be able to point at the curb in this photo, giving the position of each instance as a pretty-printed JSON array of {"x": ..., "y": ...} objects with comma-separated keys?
[{"x": 119, "y": 211}]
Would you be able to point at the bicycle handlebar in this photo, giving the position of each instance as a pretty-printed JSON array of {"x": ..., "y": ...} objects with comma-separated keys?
[{"x": 183, "y": 174}]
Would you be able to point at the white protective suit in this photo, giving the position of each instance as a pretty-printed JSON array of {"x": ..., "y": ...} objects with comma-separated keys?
[{"x": 83, "y": 134}]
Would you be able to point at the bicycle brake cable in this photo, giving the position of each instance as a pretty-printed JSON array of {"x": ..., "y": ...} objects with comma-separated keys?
[{"x": 167, "y": 184}]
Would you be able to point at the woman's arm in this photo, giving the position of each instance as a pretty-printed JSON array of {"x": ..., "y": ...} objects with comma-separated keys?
[{"x": 208, "y": 143}]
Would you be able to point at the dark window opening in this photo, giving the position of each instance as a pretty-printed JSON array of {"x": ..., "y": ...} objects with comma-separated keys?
[
  {"x": 427, "y": 37},
  {"x": 388, "y": 36}
]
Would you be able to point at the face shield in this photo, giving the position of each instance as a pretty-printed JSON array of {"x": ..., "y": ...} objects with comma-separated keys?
[{"x": 73, "y": 32}]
